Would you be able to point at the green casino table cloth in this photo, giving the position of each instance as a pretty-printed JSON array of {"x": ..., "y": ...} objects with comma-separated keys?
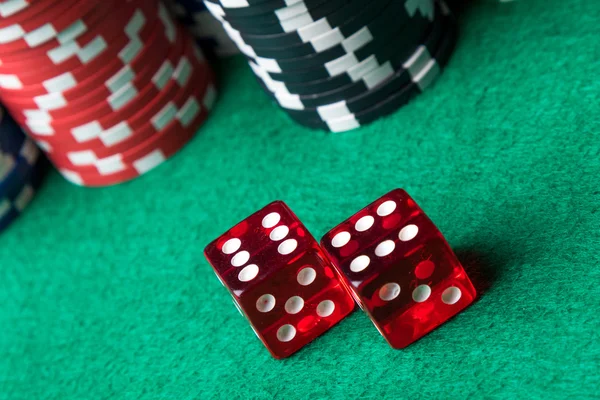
[{"x": 105, "y": 293}]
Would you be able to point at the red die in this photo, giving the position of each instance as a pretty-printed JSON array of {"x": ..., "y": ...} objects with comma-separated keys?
[
  {"x": 280, "y": 279},
  {"x": 399, "y": 268}
]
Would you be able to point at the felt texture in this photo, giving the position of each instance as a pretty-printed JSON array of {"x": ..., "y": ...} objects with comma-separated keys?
[{"x": 105, "y": 293}]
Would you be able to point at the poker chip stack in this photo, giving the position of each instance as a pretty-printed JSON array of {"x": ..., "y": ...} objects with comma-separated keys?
[
  {"x": 22, "y": 168},
  {"x": 109, "y": 89},
  {"x": 340, "y": 64},
  {"x": 208, "y": 32}
]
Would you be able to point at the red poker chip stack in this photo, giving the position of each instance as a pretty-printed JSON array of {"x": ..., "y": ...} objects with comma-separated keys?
[{"x": 109, "y": 89}]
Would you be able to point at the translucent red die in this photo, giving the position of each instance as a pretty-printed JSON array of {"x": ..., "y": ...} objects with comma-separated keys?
[
  {"x": 280, "y": 279},
  {"x": 399, "y": 268}
]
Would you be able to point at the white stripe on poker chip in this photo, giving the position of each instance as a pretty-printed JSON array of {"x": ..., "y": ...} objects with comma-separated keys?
[
  {"x": 328, "y": 40},
  {"x": 292, "y": 11},
  {"x": 110, "y": 137},
  {"x": 343, "y": 124},
  {"x": 423, "y": 79},
  {"x": 368, "y": 70},
  {"x": 24, "y": 198},
  {"x": 71, "y": 176},
  {"x": 241, "y": 3},
  {"x": 164, "y": 73},
  {"x": 10, "y": 81},
  {"x": 7, "y": 164},
  {"x": 164, "y": 116},
  {"x": 359, "y": 70},
  {"x": 350, "y": 44},
  {"x": 86, "y": 132},
  {"x": 43, "y": 33},
  {"x": 50, "y": 101},
  {"x": 110, "y": 165},
  {"x": 47, "y": 32},
  {"x": 294, "y": 18},
  {"x": 188, "y": 112},
  {"x": 310, "y": 31},
  {"x": 422, "y": 68},
  {"x": 244, "y": 3},
  {"x": 149, "y": 161},
  {"x": 29, "y": 152},
  {"x": 234, "y": 3},
  {"x": 89, "y": 52},
  {"x": 371, "y": 73},
  {"x": 378, "y": 75},
  {"x": 40, "y": 35},
  {"x": 341, "y": 64},
  {"x": 335, "y": 110},
  {"x": 39, "y": 121},
  {"x": 82, "y": 157},
  {"x": 5, "y": 207},
  {"x": 168, "y": 23},
  {"x": 357, "y": 40},
  {"x": 45, "y": 146},
  {"x": 169, "y": 113},
  {"x": 71, "y": 32},
  {"x": 70, "y": 49},
  {"x": 215, "y": 9},
  {"x": 183, "y": 71},
  {"x": 131, "y": 50},
  {"x": 136, "y": 23},
  {"x": 415, "y": 63},
  {"x": 425, "y": 7},
  {"x": 121, "y": 98},
  {"x": 319, "y": 33},
  {"x": 428, "y": 75},
  {"x": 21, "y": 201},
  {"x": 209, "y": 98},
  {"x": 118, "y": 81},
  {"x": 11, "y": 7},
  {"x": 60, "y": 83},
  {"x": 11, "y": 33}
]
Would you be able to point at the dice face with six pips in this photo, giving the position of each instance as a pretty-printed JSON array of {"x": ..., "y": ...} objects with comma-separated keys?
[
  {"x": 280, "y": 279},
  {"x": 399, "y": 268}
]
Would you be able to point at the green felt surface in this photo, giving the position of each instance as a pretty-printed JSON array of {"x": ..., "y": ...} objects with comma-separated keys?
[{"x": 105, "y": 293}]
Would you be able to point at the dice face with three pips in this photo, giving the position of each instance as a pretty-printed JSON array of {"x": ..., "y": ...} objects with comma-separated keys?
[
  {"x": 280, "y": 279},
  {"x": 399, "y": 268}
]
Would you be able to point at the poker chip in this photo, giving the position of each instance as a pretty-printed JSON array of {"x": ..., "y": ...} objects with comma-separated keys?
[
  {"x": 108, "y": 89},
  {"x": 22, "y": 169},
  {"x": 338, "y": 64},
  {"x": 209, "y": 33}
]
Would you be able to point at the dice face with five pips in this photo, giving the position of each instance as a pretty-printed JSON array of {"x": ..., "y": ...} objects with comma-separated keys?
[
  {"x": 399, "y": 268},
  {"x": 280, "y": 279}
]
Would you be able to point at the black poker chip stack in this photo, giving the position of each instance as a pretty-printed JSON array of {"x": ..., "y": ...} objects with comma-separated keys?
[{"x": 340, "y": 64}]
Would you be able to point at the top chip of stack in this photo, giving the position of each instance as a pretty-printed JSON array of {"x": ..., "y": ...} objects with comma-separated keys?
[
  {"x": 109, "y": 89},
  {"x": 340, "y": 64},
  {"x": 22, "y": 168}
]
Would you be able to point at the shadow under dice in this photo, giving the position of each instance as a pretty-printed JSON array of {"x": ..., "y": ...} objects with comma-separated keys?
[
  {"x": 399, "y": 268},
  {"x": 280, "y": 279}
]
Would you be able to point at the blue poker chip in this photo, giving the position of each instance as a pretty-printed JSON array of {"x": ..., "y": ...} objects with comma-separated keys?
[
  {"x": 17, "y": 154},
  {"x": 21, "y": 170},
  {"x": 14, "y": 201}
]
